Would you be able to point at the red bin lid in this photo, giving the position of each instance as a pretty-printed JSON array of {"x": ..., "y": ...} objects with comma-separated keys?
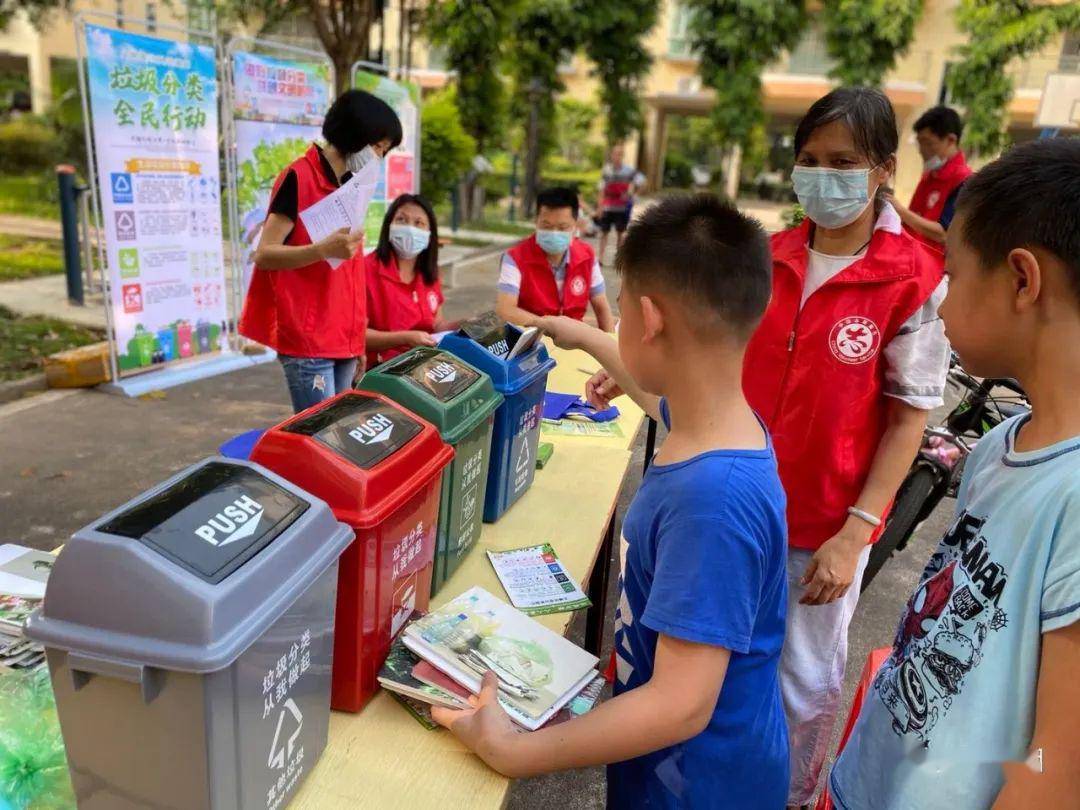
[{"x": 360, "y": 452}]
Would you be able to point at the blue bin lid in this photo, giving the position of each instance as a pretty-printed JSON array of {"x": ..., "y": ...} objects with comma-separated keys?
[
  {"x": 241, "y": 445},
  {"x": 508, "y": 376}
]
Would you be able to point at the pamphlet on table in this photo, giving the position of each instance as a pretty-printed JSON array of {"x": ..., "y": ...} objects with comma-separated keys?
[{"x": 536, "y": 580}]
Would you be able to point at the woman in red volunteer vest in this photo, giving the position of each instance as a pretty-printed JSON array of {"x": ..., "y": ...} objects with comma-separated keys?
[
  {"x": 848, "y": 359},
  {"x": 404, "y": 294},
  {"x": 552, "y": 272},
  {"x": 306, "y": 300}
]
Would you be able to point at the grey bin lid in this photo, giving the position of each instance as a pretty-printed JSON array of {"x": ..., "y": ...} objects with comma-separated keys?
[{"x": 189, "y": 574}]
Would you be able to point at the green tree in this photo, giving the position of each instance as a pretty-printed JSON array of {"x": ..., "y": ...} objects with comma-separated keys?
[
  {"x": 475, "y": 34},
  {"x": 574, "y": 123},
  {"x": 999, "y": 31},
  {"x": 546, "y": 32},
  {"x": 614, "y": 31},
  {"x": 35, "y": 10},
  {"x": 866, "y": 36},
  {"x": 735, "y": 40},
  {"x": 258, "y": 173},
  {"x": 446, "y": 147}
]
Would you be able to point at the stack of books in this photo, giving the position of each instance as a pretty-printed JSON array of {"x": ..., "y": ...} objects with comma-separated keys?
[
  {"x": 440, "y": 658},
  {"x": 23, "y": 574}
]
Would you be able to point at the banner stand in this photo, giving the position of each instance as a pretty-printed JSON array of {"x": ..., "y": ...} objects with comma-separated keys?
[{"x": 178, "y": 371}]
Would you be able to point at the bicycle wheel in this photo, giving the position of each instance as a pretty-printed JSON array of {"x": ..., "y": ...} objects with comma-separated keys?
[{"x": 910, "y": 499}]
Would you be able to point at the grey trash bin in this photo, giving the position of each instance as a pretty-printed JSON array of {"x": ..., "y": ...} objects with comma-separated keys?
[{"x": 189, "y": 635}]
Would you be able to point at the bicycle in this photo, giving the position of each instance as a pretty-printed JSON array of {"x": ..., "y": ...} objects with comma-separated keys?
[{"x": 937, "y": 469}]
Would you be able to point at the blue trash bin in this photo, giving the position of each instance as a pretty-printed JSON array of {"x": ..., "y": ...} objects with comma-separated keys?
[{"x": 522, "y": 381}]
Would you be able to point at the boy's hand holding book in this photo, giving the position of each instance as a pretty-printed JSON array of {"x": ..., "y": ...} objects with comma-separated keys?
[{"x": 485, "y": 728}]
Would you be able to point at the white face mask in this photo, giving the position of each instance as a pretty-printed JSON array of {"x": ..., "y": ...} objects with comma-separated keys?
[
  {"x": 932, "y": 164},
  {"x": 408, "y": 241},
  {"x": 357, "y": 160}
]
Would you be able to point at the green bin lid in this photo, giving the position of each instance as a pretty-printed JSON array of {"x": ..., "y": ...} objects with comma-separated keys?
[{"x": 443, "y": 389}]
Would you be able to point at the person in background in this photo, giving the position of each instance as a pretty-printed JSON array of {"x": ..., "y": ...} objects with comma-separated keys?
[
  {"x": 938, "y": 132},
  {"x": 697, "y": 720},
  {"x": 404, "y": 294},
  {"x": 618, "y": 182},
  {"x": 976, "y": 707},
  {"x": 312, "y": 312},
  {"x": 552, "y": 272}
]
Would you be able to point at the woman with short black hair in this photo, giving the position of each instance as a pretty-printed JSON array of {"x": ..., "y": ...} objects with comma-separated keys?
[
  {"x": 404, "y": 293},
  {"x": 306, "y": 300}
]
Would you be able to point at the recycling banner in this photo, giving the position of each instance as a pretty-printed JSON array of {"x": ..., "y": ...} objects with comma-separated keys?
[
  {"x": 154, "y": 108},
  {"x": 278, "y": 107},
  {"x": 401, "y": 169}
]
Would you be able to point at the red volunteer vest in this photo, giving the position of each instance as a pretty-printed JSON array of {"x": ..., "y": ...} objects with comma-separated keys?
[
  {"x": 539, "y": 293},
  {"x": 394, "y": 306},
  {"x": 817, "y": 376},
  {"x": 935, "y": 187},
  {"x": 310, "y": 311}
]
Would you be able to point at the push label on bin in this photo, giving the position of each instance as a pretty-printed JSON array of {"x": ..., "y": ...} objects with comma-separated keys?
[
  {"x": 213, "y": 521},
  {"x": 362, "y": 429},
  {"x": 438, "y": 373}
]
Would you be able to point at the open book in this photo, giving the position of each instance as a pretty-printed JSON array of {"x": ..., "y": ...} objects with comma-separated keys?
[{"x": 539, "y": 671}]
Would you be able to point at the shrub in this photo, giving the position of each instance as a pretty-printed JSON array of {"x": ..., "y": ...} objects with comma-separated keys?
[
  {"x": 27, "y": 146},
  {"x": 446, "y": 149}
]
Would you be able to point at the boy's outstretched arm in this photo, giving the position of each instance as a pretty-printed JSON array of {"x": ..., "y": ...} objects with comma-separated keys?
[
  {"x": 1057, "y": 705},
  {"x": 572, "y": 334},
  {"x": 675, "y": 705}
]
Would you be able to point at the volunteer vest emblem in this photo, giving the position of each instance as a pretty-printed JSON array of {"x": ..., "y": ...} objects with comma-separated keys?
[
  {"x": 854, "y": 340},
  {"x": 577, "y": 285},
  {"x": 433, "y": 301},
  {"x": 373, "y": 430},
  {"x": 932, "y": 198},
  {"x": 237, "y": 521}
]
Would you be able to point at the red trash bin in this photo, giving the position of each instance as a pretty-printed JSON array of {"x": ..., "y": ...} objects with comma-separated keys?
[{"x": 379, "y": 467}]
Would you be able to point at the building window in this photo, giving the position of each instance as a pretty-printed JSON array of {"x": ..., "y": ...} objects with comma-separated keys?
[
  {"x": 679, "y": 32},
  {"x": 1070, "y": 53},
  {"x": 119, "y": 13},
  {"x": 811, "y": 56},
  {"x": 944, "y": 94},
  {"x": 436, "y": 57},
  {"x": 151, "y": 17}
]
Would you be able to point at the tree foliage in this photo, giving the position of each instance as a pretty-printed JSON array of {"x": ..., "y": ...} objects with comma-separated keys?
[
  {"x": 446, "y": 146},
  {"x": 256, "y": 175},
  {"x": 613, "y": 36},
  {"x": 865, "y": 37},
  {"x": 35, "y": 10},
  {"x": 999, "y": 31},
  {"x": 573, "y": 123},
  {"x": 735, "y": 40},
  {"x": 475, "y": 34}
]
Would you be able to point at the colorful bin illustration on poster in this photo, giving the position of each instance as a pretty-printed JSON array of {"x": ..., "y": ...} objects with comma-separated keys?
[
  {"x": 401, "y": 168},
  {"x": 154, "y": 107},
  {"x": 278, "y": 107}
]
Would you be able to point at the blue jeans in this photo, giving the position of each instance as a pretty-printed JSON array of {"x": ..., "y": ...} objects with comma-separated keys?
[{"x": 313, "y": 379}]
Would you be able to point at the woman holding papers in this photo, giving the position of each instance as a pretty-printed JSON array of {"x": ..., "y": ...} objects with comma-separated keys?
[
  {"x": 404, "y": 295},
  {"x": 306, "y": 299}
]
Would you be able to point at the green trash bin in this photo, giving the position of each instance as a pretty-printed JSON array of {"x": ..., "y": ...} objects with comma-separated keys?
[{"x": 460, "y": 401}]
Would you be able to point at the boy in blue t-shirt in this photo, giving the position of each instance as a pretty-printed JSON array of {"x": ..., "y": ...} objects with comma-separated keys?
[
  {"x": 977, "y": 705},
  {"x": 697, "y": 719}
]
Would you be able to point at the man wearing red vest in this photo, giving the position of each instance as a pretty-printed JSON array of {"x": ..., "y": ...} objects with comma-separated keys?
[
  {"x": 938, "y": 133},
  {"x": 552, "y": 272}
]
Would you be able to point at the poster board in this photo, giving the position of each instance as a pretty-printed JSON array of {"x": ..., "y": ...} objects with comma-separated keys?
[
  {"x": 401, "y": 167},
  {"x": 275, "y": 105},
  {"x": 153, "y": 105}
]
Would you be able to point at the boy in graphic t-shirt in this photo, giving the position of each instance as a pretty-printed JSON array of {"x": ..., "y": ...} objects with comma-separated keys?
[
  {"x": 977, "y": 706},
  {"x": 697, "y": 720}
]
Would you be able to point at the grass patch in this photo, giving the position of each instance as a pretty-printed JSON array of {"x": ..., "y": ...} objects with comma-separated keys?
[
  {"x": 26, "y": 341},
  {"x": 30, "y": 195},
  {"x": 500, "y": 226},
  {"x": 27, "y": 257},
  {"x": 464, "y": 241}
]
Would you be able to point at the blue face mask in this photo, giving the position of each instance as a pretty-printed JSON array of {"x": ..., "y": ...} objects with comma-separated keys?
[
  {"x": 553, "y": 242},
  {"x": 832, "y": 198},
  {"x": 409, "y": 242}
]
